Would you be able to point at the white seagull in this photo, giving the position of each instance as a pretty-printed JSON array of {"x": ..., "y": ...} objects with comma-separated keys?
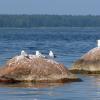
[
  {"x": 51, "y": 54},
  {"x": 38, "y": 54},
  {"x": 98, "y": 43},
  {"x": 23, "y": 53}
]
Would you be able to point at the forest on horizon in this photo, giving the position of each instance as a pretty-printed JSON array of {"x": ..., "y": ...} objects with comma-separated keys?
[{"x": 29, "y": 21}]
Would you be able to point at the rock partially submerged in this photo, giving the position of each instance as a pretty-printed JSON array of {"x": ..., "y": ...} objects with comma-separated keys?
[
  {"x": 88, "y": 63},
  {"x": 35, "y": 69}
]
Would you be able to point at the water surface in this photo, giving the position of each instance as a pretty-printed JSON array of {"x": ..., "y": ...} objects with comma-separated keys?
[{"x": 68, "y": 44}]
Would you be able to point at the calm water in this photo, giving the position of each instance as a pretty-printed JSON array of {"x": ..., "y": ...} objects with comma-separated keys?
[{"x": 68, "y": 44}]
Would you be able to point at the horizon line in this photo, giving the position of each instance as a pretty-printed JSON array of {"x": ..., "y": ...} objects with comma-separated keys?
[{"x": 57, "y": 14}]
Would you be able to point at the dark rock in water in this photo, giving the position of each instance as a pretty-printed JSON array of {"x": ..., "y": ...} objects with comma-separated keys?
[
  {"x": 88, "y": 63},
  {"x": 36, "y": 69}
]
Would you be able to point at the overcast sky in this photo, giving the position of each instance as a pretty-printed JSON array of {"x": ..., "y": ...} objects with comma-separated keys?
[{"x": 74, "y": 7}]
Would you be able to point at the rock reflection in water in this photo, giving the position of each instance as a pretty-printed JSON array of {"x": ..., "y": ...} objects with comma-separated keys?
[{"x": 30, "y": 85}]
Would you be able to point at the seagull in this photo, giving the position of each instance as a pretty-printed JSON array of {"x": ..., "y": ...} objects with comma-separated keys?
[
  {"x": 24, "y": 54},
  {"x": 38, "y": 54},
  {"x": 51, "y": 54},
  {"x": 98, "y": 43}
]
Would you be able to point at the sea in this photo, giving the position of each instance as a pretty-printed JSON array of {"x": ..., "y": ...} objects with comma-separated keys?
[{"x": 68, "y": 44}]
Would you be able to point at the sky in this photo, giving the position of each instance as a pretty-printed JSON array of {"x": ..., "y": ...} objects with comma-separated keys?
[{"x": 58, "y": 7}]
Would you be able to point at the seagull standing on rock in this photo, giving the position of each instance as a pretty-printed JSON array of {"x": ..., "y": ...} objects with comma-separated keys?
[
  {"x": 24, "y": 54},
  {"x": 38, "y": 54},
  {"x": 51, "y": 54},
  {"x": 98, "y": 43}
]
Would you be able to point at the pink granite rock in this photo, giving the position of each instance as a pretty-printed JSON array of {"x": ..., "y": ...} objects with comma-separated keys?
[
  {"x": 36, "y": 69},
  {"x": 88, "y": 63}
]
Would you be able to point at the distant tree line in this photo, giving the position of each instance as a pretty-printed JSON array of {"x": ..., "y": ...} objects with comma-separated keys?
[{"x": 49, "y": 21}]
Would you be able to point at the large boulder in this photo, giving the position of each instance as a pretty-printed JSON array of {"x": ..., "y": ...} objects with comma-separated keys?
[
  {"x": 88, "y": 63},
  {"x": 35, "y": 69}
]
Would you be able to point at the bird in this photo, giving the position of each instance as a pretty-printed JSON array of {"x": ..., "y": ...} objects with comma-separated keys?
[
  {"x": 38, "y": 54},
  {"x": 24, "y": 54},
  {"x": 98, "y": 43},
  {"x": 51, "y": 54}
]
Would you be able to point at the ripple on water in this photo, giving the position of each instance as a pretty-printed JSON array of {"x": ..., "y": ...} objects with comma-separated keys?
[{"x": 68, "y": 44}]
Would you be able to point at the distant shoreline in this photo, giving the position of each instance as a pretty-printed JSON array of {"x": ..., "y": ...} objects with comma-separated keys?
[{"x": 31, "y": 21}]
